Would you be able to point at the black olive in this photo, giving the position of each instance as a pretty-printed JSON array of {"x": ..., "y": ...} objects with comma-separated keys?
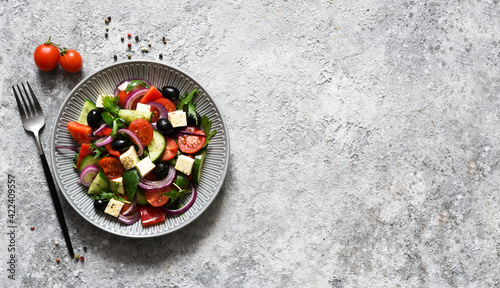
[
  {"x": 170, "y": 92},
  {"x": 194, "y": 120},
  {"x": 164, "y": 126},
  {"x": 161, "y": 170},
  {"x": 121, "y": 144},
  {"x": 94, "y": 118},
  {"x": 100, "y": 205}
]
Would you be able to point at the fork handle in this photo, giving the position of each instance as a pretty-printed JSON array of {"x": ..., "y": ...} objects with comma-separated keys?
[{"x": 57, "y": 204}]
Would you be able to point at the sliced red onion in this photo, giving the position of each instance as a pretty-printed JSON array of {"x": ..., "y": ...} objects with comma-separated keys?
[
  {"x": 73, "y": 148},
  {"x": 100, "y": 129},
  {"x": 130, "y": 210},
  {"x": 119, "y": 86},
  {"x": 163, "y": 110},
  {"x": 154, "y": 126},
  {"x": 129, "y": 220},
  {"x": 135, "y": 139},
  {"x": 186, "y": 207},
  {"x": 103, "y": 141},
  {"x": 160, "y": 184},
  {"x": 134, "y": 97},
  {"x": 88, "y": 174}
]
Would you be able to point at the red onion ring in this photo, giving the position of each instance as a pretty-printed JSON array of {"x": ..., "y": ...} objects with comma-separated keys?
[
  {"x": 103, "y": 141},
  {"x": 185, "y": 208},
  {"x": 73, "y": 148},
  {"x": 160, "y": 184},
  {"x": 134, "y": 139},
  {"x": 100, "y": 129},
  {"x": 130, "y": 210},
  {"x": 134, "y": 97},
  {"x": 129, "y": 220},
  {"x": 163, "y": 110},
  {"x": 88, "y": 174}
]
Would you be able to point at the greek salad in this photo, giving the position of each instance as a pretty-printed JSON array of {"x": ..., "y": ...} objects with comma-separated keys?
[{"x": 141, "y": 151}]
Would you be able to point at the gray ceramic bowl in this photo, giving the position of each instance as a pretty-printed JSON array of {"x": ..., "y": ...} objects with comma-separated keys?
[{"x": 105, "y": 81}]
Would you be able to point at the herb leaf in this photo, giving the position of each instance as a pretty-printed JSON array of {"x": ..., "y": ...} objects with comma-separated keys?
[
  {"x": 106, "y": 196},
  {"x": 207, "y": 125},
  {"x": 97, "y": 150},
  {"x": 110, "y": 103},
  {"x": 186, "y": 104},
  {"x": 132, "y": 84},
  {"x": 174, "y": 194}
]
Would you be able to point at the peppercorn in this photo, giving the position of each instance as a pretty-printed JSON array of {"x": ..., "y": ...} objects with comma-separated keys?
[
  {"x": 145, "y": 49},
  {"x": 161, "y": 56},
  {"x": 32, "y": 228},
  {"x": 106, "y": 20},
  {"x": 123, "y": 39},
  {"x": 106, "y": 35},
  {"x": 85, "y": 248},
  {"x": 77, "y": 256},
  {"x": 115, "y": 57},
  {"x": 82, "y": 258},
  {"x": 164, "y": 40},
  {"x": 107, "y": 29},
  {"x": 137, "y": 38},
  {"x": 129, "y": 56},
  {"x": 58, "y": 260},
  {"x": 149, "y": 44},
  {"x": 57, "y": 243},
  {"x": 129, "y": 45},
  {"x": 109, "y": 18},
  {"x": 129, "y": 35}
]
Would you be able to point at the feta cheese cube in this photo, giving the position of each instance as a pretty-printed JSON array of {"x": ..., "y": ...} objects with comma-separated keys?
[
  {"x": 177, "y": 118},
  {"x": 99, "y": 103},
  {"x": 123, "y": 86},
  {"x": 145, "y": 166},
  {"x": 143, "y": 107},
  {"x": 114, "y": 207},
  {"x": 184, "y": 164},
  {"x": 117, "y": 185},
  {"x": 129, "y": 158}
]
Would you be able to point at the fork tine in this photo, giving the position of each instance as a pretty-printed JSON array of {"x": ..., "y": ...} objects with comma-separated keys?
[
  {"x": 30, "y": 103},
  {"x": 19, "y": 105},
  {"x": 38, "y": 108}
]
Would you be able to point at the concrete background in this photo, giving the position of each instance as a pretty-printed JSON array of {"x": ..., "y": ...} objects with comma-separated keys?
[{"x": 363, "y": 143}]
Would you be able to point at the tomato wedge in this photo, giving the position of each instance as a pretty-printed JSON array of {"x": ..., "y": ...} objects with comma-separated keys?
[
  {"x": 112, "y": 167},
  {"x": 152, "y": 95},
  {"x": 84, "y": 152},
  {"x": 122, "y": 97},
  {"x": 156, "y": 114},
  {"x": 155, "y": 198},
  {"x": 190, "y": 143},
  {"x": 143, "y": 130},
  {"x": 169, "y": 105},
  {"x": 111, "y": 151},
  {"x": 80, "y": 132},
  {"x": 151, "y": 215},
  {"x": 170, "y": 149}
]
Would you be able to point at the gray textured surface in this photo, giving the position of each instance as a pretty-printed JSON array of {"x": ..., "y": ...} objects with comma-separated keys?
[{"x": 363, "y": 143}]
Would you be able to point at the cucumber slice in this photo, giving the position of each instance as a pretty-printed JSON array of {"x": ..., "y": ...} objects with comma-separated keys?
[
  {"x": 198, "y": 165},
  {"x": 87, "y": 106},
  {"x": 101, "y": 182},
  {"x": 89, "y": 160},
  {"x": 157, "y": 146},
  {"x": 141, "y": 198},
  {"x": 130, "y": 115}
]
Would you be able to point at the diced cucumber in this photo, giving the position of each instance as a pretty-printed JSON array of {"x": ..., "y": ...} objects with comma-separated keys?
[
  {"x": 101, "y": 182},
  {"x": 87, "y": 107},
  {"x": 157, "y": 146},
  {"x": 88, "y": 160},
  {"x": 130, "y": 115},
  {"x": 141, "y": 198},
  {"x": 198, "y": 165}
]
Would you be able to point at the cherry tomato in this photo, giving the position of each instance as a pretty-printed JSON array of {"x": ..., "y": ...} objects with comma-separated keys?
[
  {"x": 190, "y": 143},
  {"x": 155, "y": 198},
  {"x": 170, "y": 150},
  {"x": 71, "y": 61},
  {"x": 46, "y": 56},
  {"x": 112, "y": 167},
  {"x": 169, "y": 105},
  {"x": 143, "y": 130}
]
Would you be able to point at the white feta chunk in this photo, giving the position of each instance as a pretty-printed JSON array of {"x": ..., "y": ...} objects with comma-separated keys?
[
  {"x": 143, "y": 107},
  {"x": 177, "y": 118},
  {"x": 123, "y": 86},
  {"x": 117, "y": 185},
  {"x": 184, "y": 164},
  {"x": 129, "y": 158},
  {"x": 99, "y": 103},
  {"x": 114, "y": 207},
  {"x": 145, "y": 166}
]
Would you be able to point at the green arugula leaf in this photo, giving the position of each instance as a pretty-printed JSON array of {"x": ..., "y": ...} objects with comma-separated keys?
[
  {"x": 108, "y": 118},
  {"x": 134, "y": 83},
  {"x": 207, "y": 125},
  {"x": 75, "y": 159},
  {"x": 186, "y": 100},
  {"x": 118, "y": 123},
  {"x": 101, "y": 150},
  {"x": 106, "y": 196},
  {"x": 174, "y": 194}
]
